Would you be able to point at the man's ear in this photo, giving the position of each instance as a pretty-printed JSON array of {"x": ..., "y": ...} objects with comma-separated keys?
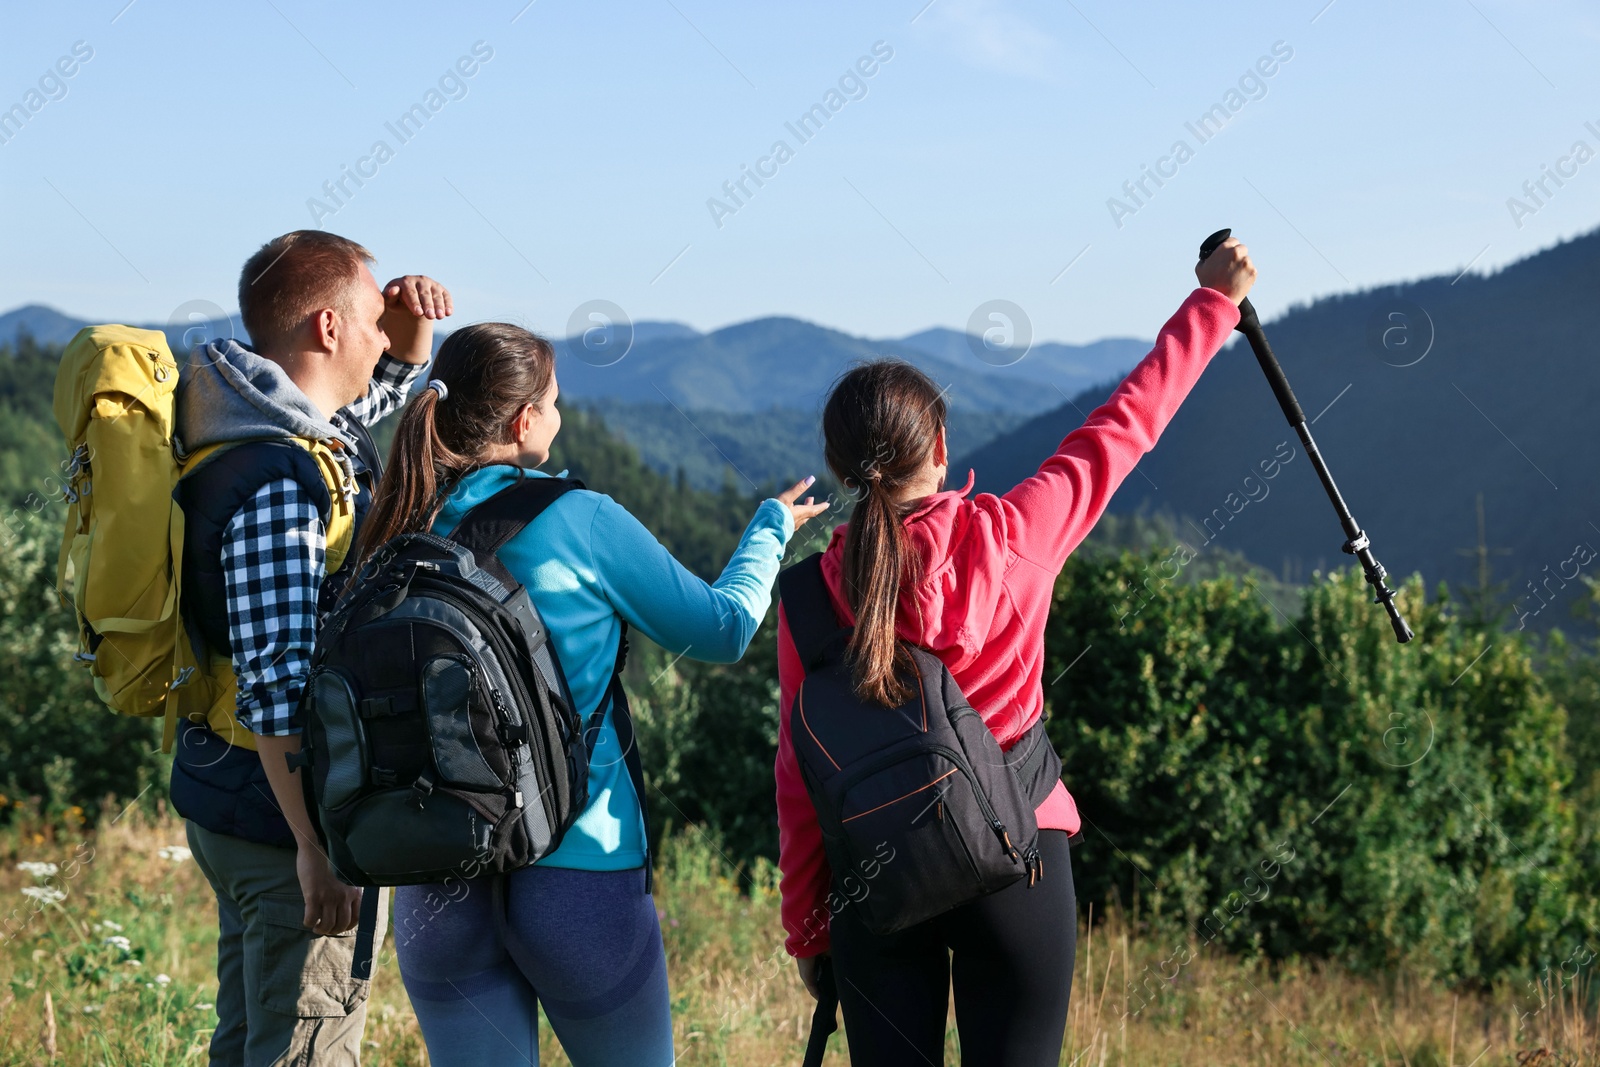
[{"x": 325, "y": 328}]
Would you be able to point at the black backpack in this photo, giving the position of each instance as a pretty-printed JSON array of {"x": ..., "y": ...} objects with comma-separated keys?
[
  {"x": 920, "y": 810},
  {"x": 439, "y": 731}
]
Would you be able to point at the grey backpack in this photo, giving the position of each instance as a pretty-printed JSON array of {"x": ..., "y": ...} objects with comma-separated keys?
[{"x": 439, "y": 731}]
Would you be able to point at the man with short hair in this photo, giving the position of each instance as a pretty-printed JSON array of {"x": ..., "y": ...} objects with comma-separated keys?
[{"x": 280, "y": 472}]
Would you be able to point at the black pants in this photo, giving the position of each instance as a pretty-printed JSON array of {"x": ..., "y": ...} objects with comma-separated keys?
[{"x": 1011, "y": 954}]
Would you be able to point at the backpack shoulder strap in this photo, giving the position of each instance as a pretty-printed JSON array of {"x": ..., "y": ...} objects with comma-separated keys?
[
  {"x": 491, "y": 525},
  {"x": 808, "y": 609},
  {"x": 616, "y": 699}
]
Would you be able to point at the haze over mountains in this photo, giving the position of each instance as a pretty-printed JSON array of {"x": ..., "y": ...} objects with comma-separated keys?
[
  {"x": 1424, "y": 395},
  {"x": 744, "y": 397}
]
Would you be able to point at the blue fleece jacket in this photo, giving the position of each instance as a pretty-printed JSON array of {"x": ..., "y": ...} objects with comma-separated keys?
[{"x": 589, "y": 565}]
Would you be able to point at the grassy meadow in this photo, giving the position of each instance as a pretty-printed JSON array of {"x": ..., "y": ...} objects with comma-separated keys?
[{"x": 108, "y": 959}]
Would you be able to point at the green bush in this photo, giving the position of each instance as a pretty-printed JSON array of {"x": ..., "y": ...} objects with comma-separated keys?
[
  {"x": 56, "y": 739},
  {"x": 709, "y": 736},
  {"x": 1309, "y": 786}
]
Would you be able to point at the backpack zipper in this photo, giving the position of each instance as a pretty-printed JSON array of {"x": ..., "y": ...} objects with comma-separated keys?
[{"x": 960, "y": 761}]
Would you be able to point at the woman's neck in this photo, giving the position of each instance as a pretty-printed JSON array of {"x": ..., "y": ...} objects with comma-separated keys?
[{"x": 929, "y": 481}]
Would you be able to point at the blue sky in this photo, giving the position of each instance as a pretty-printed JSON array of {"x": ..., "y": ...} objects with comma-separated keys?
[{"x": 976, "y": 163}]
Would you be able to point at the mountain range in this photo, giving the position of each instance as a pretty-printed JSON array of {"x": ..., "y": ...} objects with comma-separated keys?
[{"x": 745, "y": 396}]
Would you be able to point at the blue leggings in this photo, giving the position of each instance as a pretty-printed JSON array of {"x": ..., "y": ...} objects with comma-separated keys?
[{"x": 586, "y": 945}]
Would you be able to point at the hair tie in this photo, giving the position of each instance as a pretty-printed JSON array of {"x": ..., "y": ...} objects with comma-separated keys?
[{"x": 439, "y": 387}]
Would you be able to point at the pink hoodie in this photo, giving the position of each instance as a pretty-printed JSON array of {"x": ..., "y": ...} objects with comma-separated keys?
[{"x": 990, "y": 565}]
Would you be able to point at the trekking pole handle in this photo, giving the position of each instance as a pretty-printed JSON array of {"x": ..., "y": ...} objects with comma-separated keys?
[{"x": 1250, "y": 326}]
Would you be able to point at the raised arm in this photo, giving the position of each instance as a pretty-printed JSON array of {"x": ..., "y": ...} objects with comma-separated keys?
[
  {"x": 1049, "y": 514},
  {"x": 411, "y": 304}
]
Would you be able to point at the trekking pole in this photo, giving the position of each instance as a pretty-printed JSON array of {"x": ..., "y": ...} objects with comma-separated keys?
[
  {"x": 1357, "y": 543},
  {"x": 824, "y": 1018}
]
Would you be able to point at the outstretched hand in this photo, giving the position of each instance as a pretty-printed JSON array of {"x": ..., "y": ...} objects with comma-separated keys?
[
  {"x": 410, "y": 304},
  {"x": 802, "y": 510}
]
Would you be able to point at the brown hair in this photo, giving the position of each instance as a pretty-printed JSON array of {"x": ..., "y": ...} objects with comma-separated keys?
[
  {"x": 291, "y": 277},
  {"x": 879, "y": 427},
  {"x": 491, "y": 370}
]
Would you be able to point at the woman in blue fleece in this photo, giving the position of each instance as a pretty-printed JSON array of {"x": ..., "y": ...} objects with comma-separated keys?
[{"x": 579, "y": 934}]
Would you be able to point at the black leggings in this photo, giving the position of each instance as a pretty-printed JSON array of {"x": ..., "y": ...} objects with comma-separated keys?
[{"x": 1012, "y": 961}]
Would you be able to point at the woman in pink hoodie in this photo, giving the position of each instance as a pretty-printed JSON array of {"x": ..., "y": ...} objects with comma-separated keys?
[{"x": 969, "y": 580}]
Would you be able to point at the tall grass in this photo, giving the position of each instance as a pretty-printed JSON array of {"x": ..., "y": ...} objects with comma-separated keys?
[{"x": 109, "y": 960}]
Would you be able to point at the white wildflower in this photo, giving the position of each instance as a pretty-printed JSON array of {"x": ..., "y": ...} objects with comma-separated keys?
[
  {"x": 91, "y": 1009},
  {"x": 175, "y": 853},
  {"x": 162, "y": 979},
  {"x": 204, "y": 1007},
  {"x": 108, "y": 925},
  {"x": 44, "y": 894},
  {"x": 134, "y": 963},
  {"x": 41, "y": 871},
  {"x": 118, "y": 941}
]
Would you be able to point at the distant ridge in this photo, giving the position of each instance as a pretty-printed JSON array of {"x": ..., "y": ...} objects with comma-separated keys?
[
  {"x": 747, "y": 367},
  {"x": 48, "y": 326},
  {"x": 1070, "y": 368}
]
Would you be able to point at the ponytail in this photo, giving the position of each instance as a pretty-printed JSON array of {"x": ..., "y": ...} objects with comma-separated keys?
[
  {"x": 419, "y": 463},
  {"x": 490, "y": 372},
  {"x": 879, "y": 427},
  {"x": 875, "y": 561}
]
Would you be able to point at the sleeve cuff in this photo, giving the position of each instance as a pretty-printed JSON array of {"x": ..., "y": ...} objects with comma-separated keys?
[
  {"x": 282, "y": 729},
  {"x": 397, "y": 373},
  {"x": 1219, "y": 301},
  {"x": 773, "y": 513}
]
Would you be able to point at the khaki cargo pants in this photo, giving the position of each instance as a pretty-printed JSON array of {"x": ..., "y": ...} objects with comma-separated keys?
[{"x": 285, "y": 997}]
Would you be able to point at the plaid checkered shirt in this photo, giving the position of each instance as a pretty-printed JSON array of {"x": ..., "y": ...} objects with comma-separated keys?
[{"x": 272, "y": 560}]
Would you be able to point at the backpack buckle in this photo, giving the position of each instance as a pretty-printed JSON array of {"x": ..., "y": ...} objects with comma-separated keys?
[
  {"x": 185, "y": 676},
  {"x": 511, "y": 734},
  {"x": 78, "y": 461},
  {"x": 421, "y": 789},
  {"x": 376, "y": 708},
  {"x": 384, "y": 777}
]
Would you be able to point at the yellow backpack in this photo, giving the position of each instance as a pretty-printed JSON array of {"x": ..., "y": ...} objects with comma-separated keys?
[{"x": 121, "y": 559}]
